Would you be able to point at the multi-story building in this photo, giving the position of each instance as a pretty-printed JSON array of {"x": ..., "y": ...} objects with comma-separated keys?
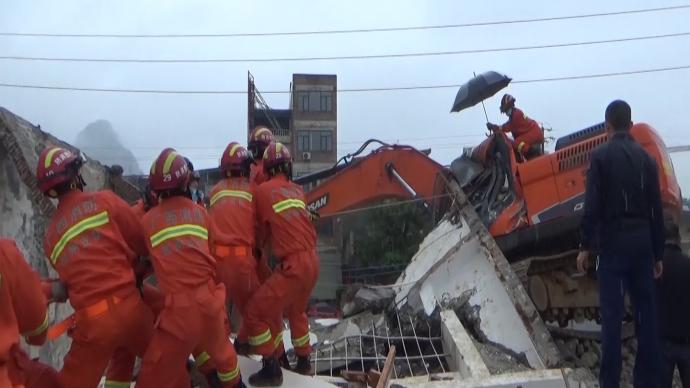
[
  {"x": 314, "y": 122},
  {"x": 309, "y": 127}
]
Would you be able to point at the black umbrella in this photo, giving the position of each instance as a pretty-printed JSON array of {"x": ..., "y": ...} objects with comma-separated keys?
[{"x": 478, "y": 89}]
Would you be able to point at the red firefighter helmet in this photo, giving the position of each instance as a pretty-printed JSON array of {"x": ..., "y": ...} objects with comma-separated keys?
[
  {"x": 507, "y": 102},
  {"x": 56, "y": 165},
  {"x": 235, "y": 158},
  {"x": 169, "y": 171},
  {"x": 276, "y": 154},
  {"x": 259, "y": 139}
]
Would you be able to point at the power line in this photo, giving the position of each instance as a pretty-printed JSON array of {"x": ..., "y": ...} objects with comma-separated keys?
[
  {"x": 353, "y": 90},
  {"x": 347, "y": 57},
  {"x": 221, "y": 147},
  {"x": 351, "y": 31}
]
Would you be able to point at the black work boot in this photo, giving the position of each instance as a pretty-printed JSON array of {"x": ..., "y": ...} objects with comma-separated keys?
[
  {"x": 242, "y": 348},
  {"x": 213, "y": 380},
  {"x": 240, "y": 384},
  {"x": 270, "y": 374},
  {"x": 303, "y": 366},
  {"x": 284, "y": 362}
]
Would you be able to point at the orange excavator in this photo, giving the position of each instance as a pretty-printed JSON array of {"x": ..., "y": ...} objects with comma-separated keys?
[{"x": 531, "y": 208}]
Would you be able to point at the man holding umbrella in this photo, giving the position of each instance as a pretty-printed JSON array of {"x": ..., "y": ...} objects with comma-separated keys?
[{"x": 526, "y": 132}]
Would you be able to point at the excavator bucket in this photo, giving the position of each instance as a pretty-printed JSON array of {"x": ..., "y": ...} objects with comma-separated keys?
[{"x": 465, "y": 170}]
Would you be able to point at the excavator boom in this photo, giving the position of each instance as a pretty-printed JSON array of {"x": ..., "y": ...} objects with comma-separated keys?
[{"x": 391, "y": 171}]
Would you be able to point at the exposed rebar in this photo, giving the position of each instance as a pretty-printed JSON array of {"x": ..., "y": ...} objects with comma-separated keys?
[
  {"x": 376, "y": 349},
  {"x": 443, "y": 368},
  {"x": 407, "y": 357},
  {"x": 414, "y": 331}
]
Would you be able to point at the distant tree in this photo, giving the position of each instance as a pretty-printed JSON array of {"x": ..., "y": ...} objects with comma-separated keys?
[{"x": 391, "y": 234}]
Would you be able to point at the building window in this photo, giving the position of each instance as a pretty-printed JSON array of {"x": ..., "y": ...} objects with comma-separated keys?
[
  {"x": 315, "y": 141},
  {"x": 315, "y": 101},
  {"x": 303, "y": 141},
  {"x": 325, "y": 102},
  {"x": 326, "y": 141},
  {"x": 304, "y": 102}
]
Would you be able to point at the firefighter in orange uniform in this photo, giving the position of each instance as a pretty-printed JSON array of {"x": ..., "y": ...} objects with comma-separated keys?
[
  {"x": 121, "y": 366},
  {"x": 285, "y": 223},
  {"x": 23, "y": 311},
  {"x": 259, "y": 139},
  {"x": 526, "y": 132},
  {"x": 233, "y": 215},
  {"x": 194, "y": 314},
  {"x": 93, "y": 239}
]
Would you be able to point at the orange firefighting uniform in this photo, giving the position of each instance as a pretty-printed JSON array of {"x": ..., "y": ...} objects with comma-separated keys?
[
  {"x": 257, "y": 176},
  {"x": 526, "y": 132},
  {"x": 194, "y": 312},
  {"x": 122, "y": 364},
  {"x": 22, "y": 311},
  {"x": 233, "y": 228},
  {"x": 284, "y": 222},
  {"x": 119, "y": 372},
  {"x": 92, "y": 240}
]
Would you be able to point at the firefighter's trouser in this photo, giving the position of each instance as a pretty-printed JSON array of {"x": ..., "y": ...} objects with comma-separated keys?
[
  {"x": 189, "y": 321},
  {"x": 287, "y": 289},
  {"x": 4, "y": 378},
  {"x": 525, "y": 141},
  {"x": 263, "y": 269},
  {"x": 122, "y": 325},
  {"x": 27, "y": 373},
  {"x": 237, "y": 270}
]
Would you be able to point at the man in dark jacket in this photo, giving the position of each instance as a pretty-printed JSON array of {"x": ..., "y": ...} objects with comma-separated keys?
[
  {"x": 674, "y": 310},
  {"x": 623, "y": 223}
]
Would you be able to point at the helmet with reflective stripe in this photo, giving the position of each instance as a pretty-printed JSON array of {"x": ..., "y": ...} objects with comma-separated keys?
[
  {"x": 507, "y": 102},
  {"x": 169, "y": 171},
  {"x": 259, "y": 139},
  {"x": 235, "y": 158},
  {"x": 276, "y": 155},
  {"x": 56, "y": 166}
]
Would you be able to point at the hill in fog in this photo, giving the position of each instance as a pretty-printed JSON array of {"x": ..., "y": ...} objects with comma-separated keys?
[{"x": 100, "y": 141}]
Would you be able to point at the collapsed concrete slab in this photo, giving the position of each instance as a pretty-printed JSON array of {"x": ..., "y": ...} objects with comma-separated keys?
[
  {"x": 25, "y": 211},
  {"x": 458, "y": 263}
]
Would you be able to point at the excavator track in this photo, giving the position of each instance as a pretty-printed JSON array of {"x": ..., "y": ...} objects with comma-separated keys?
[{"x": 558, "y": 292}]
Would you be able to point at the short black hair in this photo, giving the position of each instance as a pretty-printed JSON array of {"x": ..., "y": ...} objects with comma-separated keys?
[{"x": 618, "y": 115}]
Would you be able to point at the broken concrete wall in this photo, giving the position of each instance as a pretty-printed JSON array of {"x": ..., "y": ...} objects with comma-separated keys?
[
  {"x": 459, "y": 263},
  {"x": 24, "y": 210}
]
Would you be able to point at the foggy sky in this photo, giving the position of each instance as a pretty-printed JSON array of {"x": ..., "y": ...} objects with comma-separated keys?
[{"x": 200, "y": 125}]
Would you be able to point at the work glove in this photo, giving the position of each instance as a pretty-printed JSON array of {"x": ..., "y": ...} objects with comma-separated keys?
[{"x": 492, "y": 127}]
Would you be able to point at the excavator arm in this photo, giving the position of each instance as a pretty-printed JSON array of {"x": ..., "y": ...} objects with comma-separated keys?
[{"x": 390, "y": 171}]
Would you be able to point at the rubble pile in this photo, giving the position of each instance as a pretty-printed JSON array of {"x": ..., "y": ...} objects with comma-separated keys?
[
  {"x": 586, "y": 353},
  {"x": 361, "y": 342}
]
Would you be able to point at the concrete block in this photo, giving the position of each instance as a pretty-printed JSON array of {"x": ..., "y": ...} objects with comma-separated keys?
[{"x": 464, "y": 356}]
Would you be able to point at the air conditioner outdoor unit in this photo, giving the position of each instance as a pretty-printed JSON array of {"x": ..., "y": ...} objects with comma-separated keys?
[{"x": 306, "y": 155}]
